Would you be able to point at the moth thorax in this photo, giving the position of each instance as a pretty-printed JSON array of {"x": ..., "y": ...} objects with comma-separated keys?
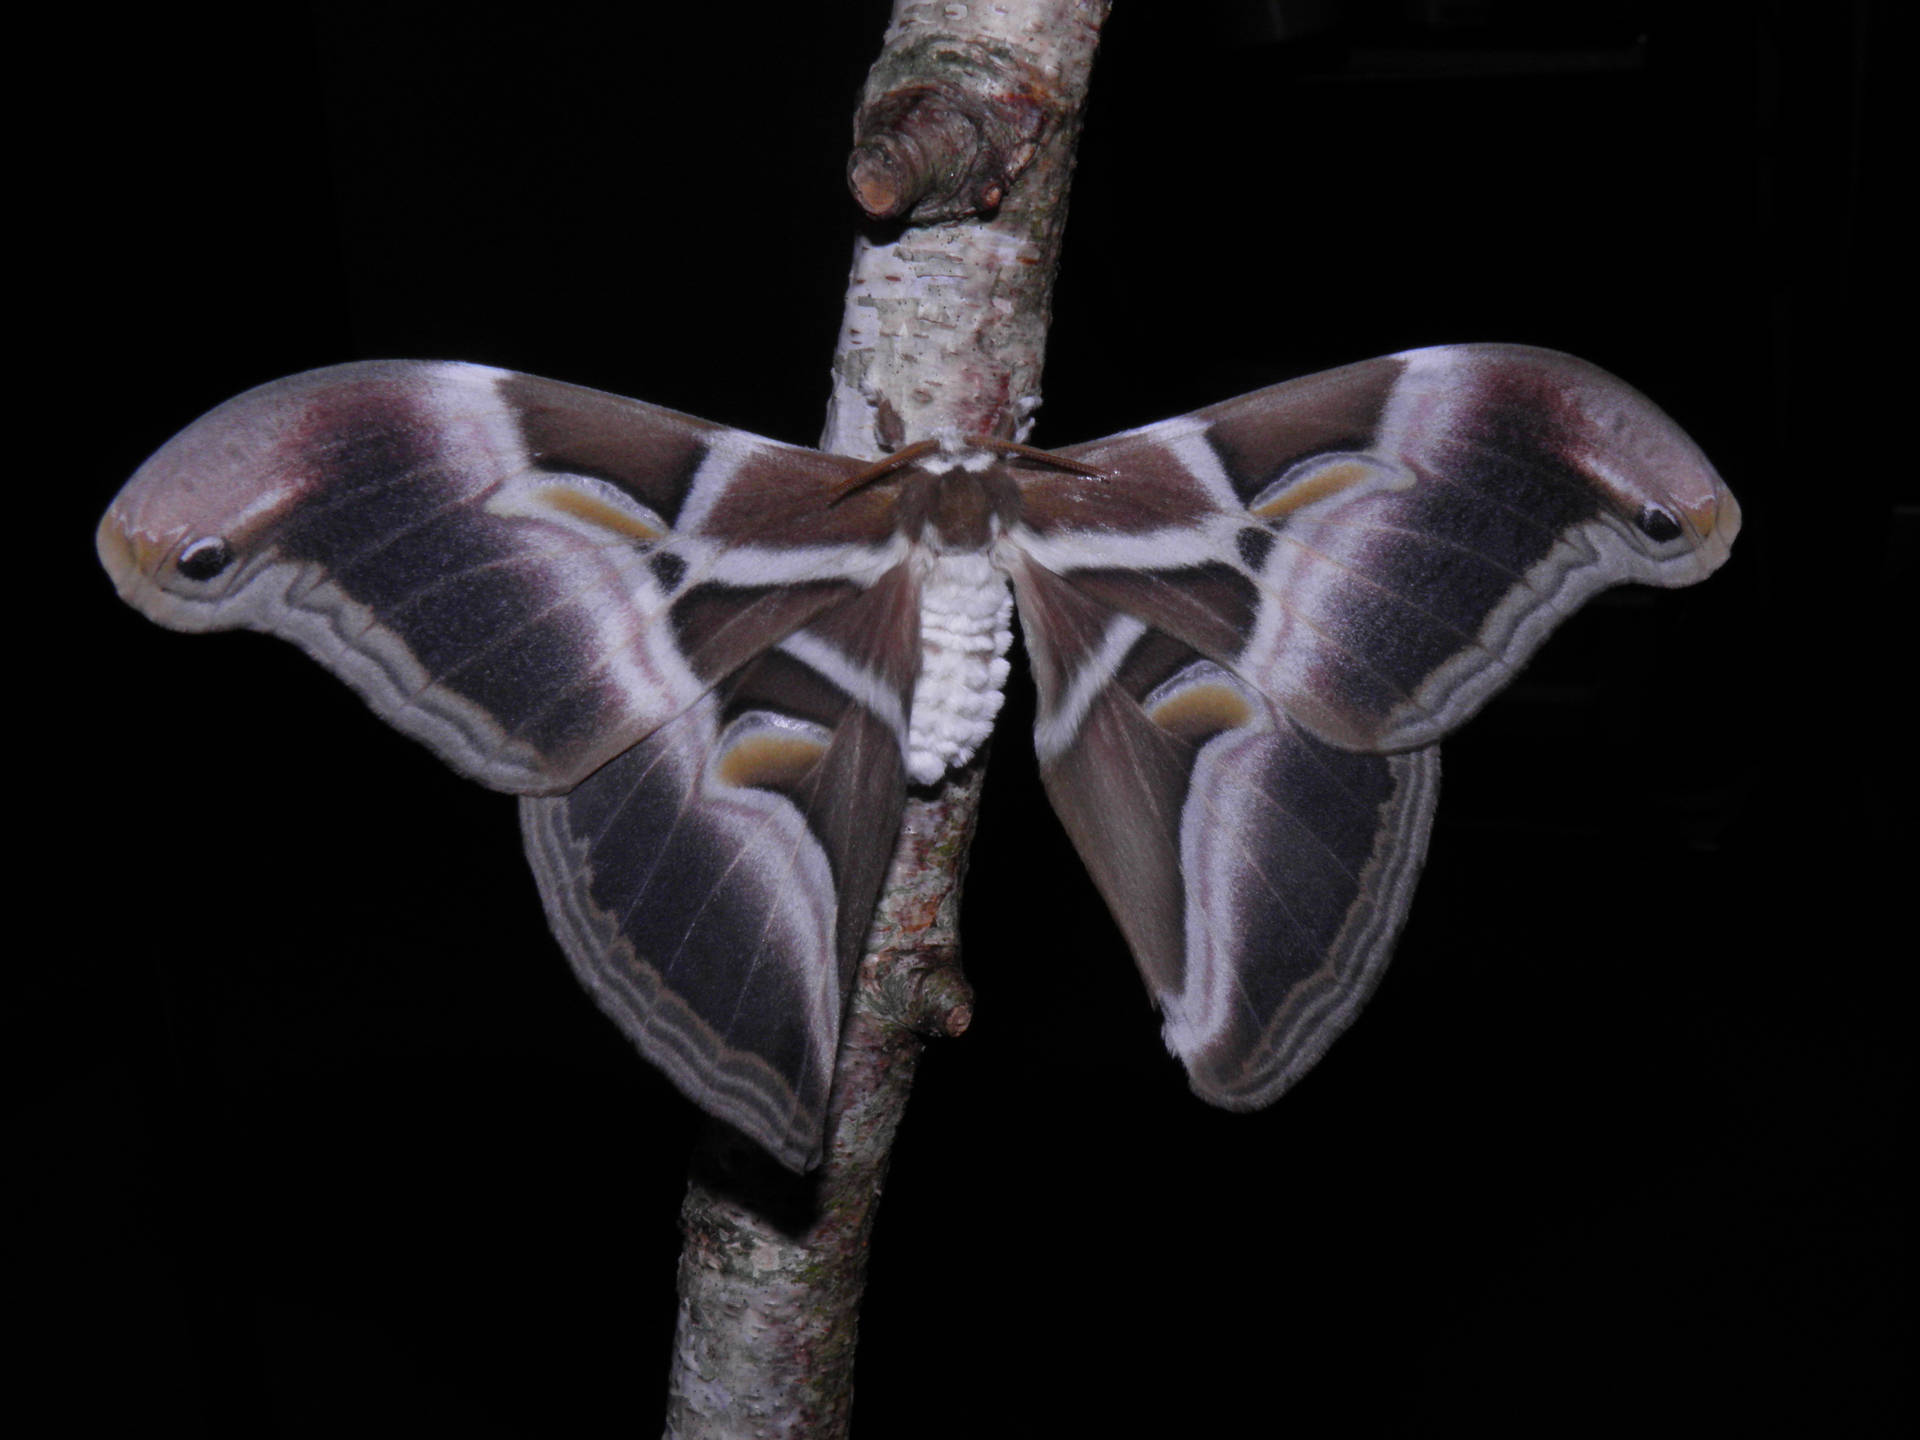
[
  {"x": 966, "y": 613},
  {"x": 957, "y": 451},
  {"x": 961, "y": 516}
]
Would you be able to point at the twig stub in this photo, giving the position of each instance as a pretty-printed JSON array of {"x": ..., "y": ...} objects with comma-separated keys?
[{"x": 946, "y": 148}]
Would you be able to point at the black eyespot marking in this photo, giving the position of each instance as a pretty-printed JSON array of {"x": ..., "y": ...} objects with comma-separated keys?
[
  {"x": 204, "y": 559},
  {"x": 1657, "y": 524},
  {"x": 1253, "y": 544},
  {"x": 669, "y": 569}
]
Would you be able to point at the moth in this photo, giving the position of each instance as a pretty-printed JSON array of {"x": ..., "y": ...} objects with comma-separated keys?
[{"x": 711, "y": 664}]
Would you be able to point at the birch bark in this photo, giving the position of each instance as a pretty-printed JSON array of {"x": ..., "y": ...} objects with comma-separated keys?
[{"x": 967, "y": 128}]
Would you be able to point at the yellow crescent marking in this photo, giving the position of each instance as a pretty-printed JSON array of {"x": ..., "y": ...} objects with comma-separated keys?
[
  {"x": 1202, "y": 710},
  {"x": 770, "y": 760},
  {"x": 596, "y": 511},
  {"x": 1317, "y": 484}
]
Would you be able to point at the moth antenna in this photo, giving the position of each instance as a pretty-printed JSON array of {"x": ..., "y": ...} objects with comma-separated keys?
[
  {"x": 920, "y": 449},
  {"x": 880, "y": 469},
  {"x": 1045, "y": 457}
]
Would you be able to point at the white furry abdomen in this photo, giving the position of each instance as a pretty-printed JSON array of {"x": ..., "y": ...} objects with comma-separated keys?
[{"x": 966, "y": 613}]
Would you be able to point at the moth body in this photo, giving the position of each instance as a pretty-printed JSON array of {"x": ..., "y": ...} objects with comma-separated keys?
[{"x": 966, "y": 625}]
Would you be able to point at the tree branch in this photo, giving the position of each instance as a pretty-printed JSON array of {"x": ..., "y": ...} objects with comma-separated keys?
[{"x": 969, "y": 119}]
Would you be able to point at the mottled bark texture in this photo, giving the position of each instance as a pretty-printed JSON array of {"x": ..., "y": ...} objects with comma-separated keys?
[{"x": 969, "y": 118}]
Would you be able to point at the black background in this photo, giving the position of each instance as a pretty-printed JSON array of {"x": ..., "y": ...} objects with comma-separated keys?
[{"x": 319, "y": 1137}]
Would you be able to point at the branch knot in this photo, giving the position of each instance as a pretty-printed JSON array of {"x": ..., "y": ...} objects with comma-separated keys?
[
  {"x": 946, "y": 148},
  {"x": 922, "y": 990}
]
